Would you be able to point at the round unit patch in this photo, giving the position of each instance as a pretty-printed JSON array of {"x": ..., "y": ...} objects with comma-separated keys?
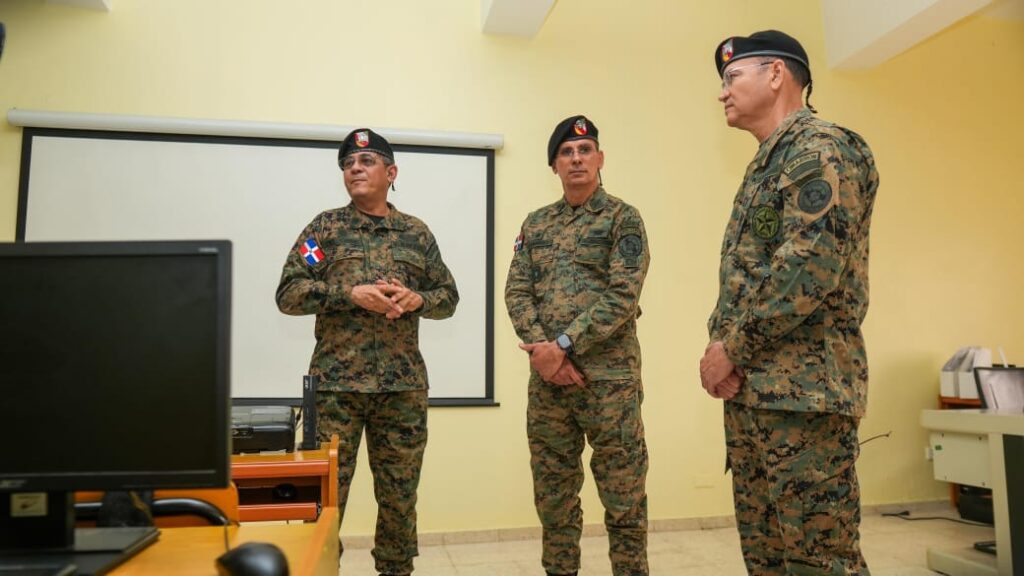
[
  {"x": 630, "y": 246},
  {"x": 765, "y": 222},
  {"x": 814, "y": 196}
]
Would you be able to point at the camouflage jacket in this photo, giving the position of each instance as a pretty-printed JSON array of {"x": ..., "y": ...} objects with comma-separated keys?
[
  {"x": 358, "y": 350},
  {"x": 794, "y": 271},
  {"x": 580, "y": 272}
]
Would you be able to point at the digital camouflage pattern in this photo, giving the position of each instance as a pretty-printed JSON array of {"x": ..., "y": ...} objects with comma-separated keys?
[
  {"x": 581, "y": 272},
  {"x": 358, "y": 350},
  {"x": 608, "y": 414},
  {"x": 396, "y": 435},
  {"x": 794, "y": 271},
  {"x": 372, "y": 375},
  {"x": 794, "y": 291},
  {"x": 795, "y": 490}
]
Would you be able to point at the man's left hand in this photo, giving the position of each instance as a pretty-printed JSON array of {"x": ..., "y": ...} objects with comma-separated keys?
[
  {"x": 568, "y": 375},
  {"x": 545, "y": 357},
  {"x": 407, "y": 300}
]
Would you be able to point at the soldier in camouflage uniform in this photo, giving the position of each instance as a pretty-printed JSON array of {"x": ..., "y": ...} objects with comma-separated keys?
[
  {"x": 572, "y": 294},
  {"x": 786, "y": 348},
  {"x": 369, "y": 273}
]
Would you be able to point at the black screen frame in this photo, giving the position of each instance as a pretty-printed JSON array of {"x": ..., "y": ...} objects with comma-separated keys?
[{"x": 219, "y": 475}]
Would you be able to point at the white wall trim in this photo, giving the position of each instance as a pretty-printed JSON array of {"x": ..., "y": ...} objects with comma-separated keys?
[{"x": 243, "y": 128}]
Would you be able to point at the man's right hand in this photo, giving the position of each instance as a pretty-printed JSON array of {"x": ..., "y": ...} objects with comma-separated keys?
[
  {"x": 372, "y": 298},
  {"x": 568, "y": 375}
]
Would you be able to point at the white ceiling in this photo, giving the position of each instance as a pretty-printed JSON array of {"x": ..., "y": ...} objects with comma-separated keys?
[
  {"x": 866, "y": 33},
  {"x": 105, "y": 5},
  {"x": 858, "y": 33},
  {"x": 1005, "y": 10},
  {"x": 514, "y": 17}
]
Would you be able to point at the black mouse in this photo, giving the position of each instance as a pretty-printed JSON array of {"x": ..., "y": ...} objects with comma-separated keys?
[{"x": 252, "y": 559}]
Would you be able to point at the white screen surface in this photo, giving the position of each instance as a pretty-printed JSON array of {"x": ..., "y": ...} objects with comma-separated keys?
[{"x": 260, "y": 194}]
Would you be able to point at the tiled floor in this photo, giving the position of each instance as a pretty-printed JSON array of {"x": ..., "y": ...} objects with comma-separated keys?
[{"x": 892, "y": 547}]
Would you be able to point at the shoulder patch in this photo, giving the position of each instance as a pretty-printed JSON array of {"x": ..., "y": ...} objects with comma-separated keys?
[
  {"x": 765, "y": 221},
  {"x": 814, "y": 196},
  {"x": 518, "y": 244},
  {"x": 801, "y": 165},
  {"x": 311, "y": 252},
  {"x": 631, "y": 246},
  {"x": 628, "y": 228}
]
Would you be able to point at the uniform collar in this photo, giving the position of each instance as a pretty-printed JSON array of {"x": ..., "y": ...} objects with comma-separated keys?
[
  {"x": 395, "y": 220},
  {"x": 594, "y": 204},
  {"x": 766, "y": 148}
]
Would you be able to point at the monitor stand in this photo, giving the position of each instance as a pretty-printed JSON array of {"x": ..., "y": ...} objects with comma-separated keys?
[{"x": 49, "y": 544}]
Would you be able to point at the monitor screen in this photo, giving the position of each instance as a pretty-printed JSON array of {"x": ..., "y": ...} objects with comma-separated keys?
[{"x": 114, "y": 364}]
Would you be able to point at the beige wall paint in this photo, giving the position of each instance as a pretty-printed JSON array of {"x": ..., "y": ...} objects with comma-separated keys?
[{"x": 943, "y": 119}]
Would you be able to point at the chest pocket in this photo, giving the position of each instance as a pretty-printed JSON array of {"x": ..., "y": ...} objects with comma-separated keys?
[
  {"x": 762, "y": 231},
  {"x": 593, "y": 249},
  {"x": 542, "y": 253},
  {"x": 542, "y": 257},
  {"x": 347, "y": 264},
  {"x": 761, "y": 211},
  {"x": 411, "y": 263}
]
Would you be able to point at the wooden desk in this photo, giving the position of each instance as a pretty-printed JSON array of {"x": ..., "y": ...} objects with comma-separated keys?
[
  {"x": 313, "y": 473},
  {"x": 982, "y": 448},
  {"x": 311, "y": 549}
]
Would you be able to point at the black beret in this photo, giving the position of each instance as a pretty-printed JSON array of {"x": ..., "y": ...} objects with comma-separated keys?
[
  {"x": 364, "y": 140},
  {"x": 764, "y": 43},
  {"x": 572, "y": 128}
]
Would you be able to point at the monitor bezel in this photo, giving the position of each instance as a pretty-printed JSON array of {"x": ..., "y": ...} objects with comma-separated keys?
[{"x": 217, "y": 477}]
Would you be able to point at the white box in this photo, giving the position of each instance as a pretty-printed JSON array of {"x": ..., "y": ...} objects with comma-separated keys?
[
  {"x": 961, "y": 458},
  {"x": 966, "y": 388},
  {"x": 982, "y": 358},
  {"x": 949, "y": 376},
  {"x": 947, "y": 384}
]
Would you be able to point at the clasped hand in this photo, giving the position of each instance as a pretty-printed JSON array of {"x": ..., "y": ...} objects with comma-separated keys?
[
  {"x": 718, "y": 375},
  {"x": 388, "y": 297},
  {"x": 552, "y": 363}
]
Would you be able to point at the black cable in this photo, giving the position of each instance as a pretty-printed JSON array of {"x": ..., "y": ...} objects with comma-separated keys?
[
  {"x": 905, "y": 515},
  {"x": 226, "y": 548}
]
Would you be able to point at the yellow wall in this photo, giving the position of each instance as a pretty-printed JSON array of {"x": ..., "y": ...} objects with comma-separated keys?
[{"x": 944, "y": 120}]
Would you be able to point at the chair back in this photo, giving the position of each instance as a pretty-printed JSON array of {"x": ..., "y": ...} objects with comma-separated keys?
[{"x": 1001, "y": 388}]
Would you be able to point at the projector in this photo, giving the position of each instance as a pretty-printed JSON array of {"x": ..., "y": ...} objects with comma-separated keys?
[{"x": 262, "y": 429}]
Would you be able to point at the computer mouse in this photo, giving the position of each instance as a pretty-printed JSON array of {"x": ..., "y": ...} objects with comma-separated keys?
[{"x": 252, "y": 559}]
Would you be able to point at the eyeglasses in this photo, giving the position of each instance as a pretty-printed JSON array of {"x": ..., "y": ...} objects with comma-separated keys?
[
  {"x": 730, "y": 75},
  {"x": 583, "y": 150},
  {"x": 366, "y": 160}
]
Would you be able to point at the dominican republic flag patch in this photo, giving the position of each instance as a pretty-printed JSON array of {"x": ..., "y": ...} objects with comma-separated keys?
[{"x": 311, "y": 252}]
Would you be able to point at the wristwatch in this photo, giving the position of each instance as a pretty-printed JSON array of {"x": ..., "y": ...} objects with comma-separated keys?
[{"x": 565, "y": 343}]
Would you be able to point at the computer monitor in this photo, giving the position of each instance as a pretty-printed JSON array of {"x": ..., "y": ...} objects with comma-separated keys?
[{"x": 114, "y": 367}]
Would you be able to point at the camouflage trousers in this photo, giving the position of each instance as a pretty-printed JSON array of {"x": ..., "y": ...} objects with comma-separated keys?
[
  {"x": 559, "y": 420},
  {"x": 396, "y": 435},
  {"x": 795, "y": 490}
]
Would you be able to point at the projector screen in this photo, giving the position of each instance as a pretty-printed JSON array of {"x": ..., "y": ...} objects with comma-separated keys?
[{"x": 260, "y": 193}]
